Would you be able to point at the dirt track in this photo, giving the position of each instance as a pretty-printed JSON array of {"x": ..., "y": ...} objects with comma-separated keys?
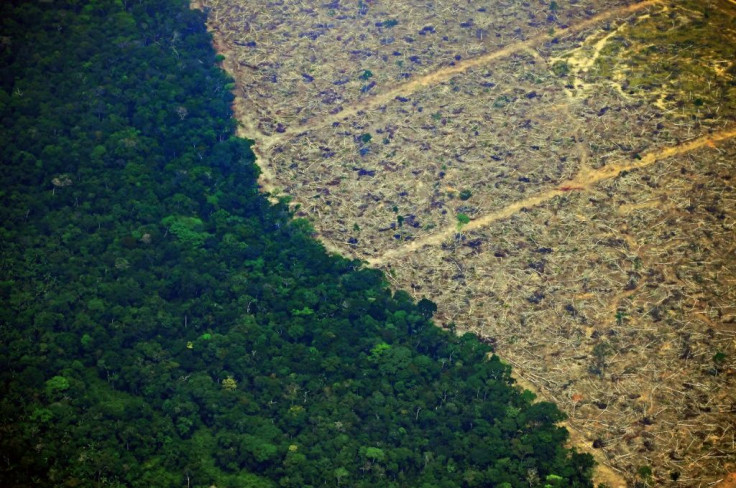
[{"x": 583, "y": 181}]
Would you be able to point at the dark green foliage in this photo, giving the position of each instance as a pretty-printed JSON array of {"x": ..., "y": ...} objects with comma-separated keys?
[
  {"x": 561, "y": 68},
  {"x": 163, "y": 325}
]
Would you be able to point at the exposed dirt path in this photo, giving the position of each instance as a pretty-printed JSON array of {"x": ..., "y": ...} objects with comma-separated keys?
[
  {"x": 448, "y": 72},
  {"x": 583, "y": 58},
  {"x": 587, "y": 178}
]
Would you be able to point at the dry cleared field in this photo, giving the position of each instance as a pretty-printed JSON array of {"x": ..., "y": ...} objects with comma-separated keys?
[{"x": 557, "y": 175}]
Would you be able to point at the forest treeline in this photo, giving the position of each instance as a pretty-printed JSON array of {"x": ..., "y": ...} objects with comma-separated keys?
[{"x": 164, "y": 325}]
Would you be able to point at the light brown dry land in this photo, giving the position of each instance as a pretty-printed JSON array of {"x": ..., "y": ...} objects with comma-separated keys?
[{"x": 557, "y": 176}]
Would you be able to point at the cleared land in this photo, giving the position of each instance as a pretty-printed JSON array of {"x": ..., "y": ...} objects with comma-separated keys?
[{"x": 557, "y": 176}]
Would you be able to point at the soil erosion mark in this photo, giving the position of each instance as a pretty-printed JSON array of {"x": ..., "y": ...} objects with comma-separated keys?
[
  {"x": 448, "y": 72},
  {"x": 583, "y": 181}
]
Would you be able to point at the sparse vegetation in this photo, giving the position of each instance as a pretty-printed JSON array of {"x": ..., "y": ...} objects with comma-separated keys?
[{"x": 599, "y": 217}]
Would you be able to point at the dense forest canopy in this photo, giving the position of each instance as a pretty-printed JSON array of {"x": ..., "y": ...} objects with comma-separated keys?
[{"x": 162, "y": 324}]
